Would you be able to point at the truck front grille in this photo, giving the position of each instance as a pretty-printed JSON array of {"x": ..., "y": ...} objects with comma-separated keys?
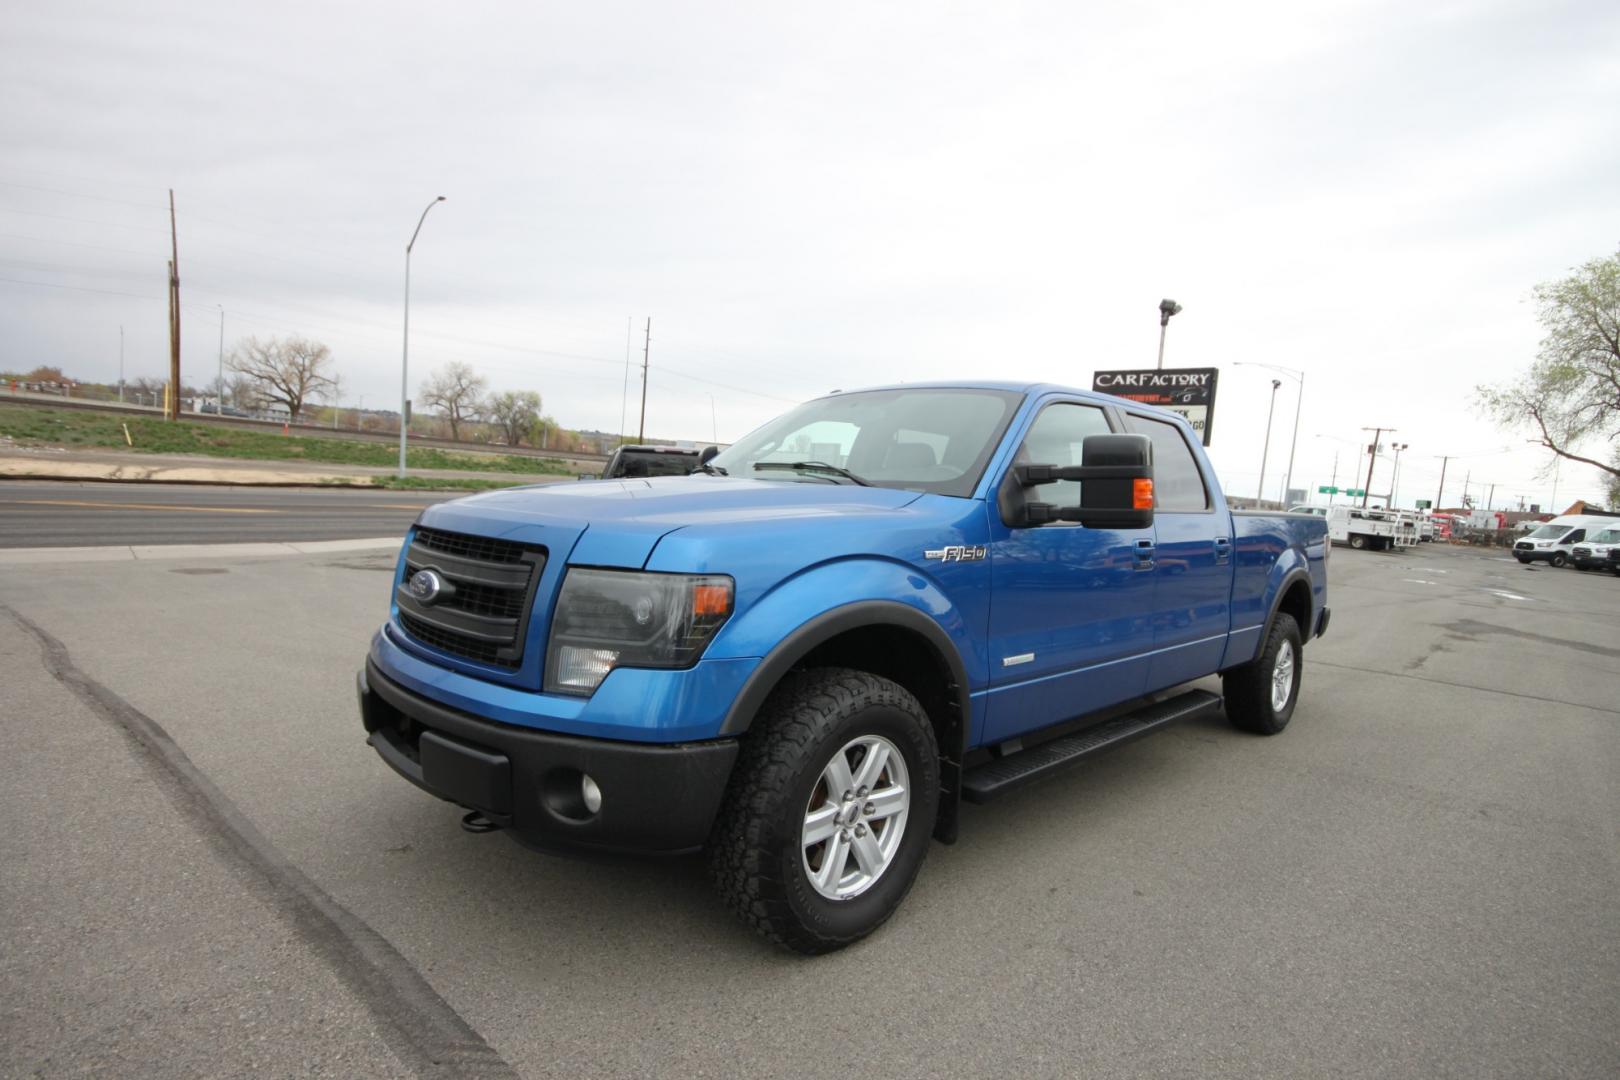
[{"x": 482, "y": 612}]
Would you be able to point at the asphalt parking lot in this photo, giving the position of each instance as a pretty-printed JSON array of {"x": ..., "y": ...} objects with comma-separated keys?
[{"x": 209, "y": 872}]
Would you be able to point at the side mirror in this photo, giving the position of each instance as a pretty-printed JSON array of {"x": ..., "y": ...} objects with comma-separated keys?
[
  {"x": 707, "y": 454},
  {"x": 1116, "y": 486}
]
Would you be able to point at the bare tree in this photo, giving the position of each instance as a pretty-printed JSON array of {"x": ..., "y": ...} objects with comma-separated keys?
[
  {"x": 286, "y": 370},
  {"x": 1571, "y": 394},
  {"x": 457, "y": 392},
  {"x": 515, "y": 412}
]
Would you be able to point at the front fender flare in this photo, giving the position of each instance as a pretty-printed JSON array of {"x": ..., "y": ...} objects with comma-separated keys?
[{"x": 828, "y": 624}]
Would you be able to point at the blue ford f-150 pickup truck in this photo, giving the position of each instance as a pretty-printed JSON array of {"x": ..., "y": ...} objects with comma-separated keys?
[{"x": 801, "y": 658}]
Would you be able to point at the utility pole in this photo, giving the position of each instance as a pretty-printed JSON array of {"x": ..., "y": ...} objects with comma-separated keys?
[
  {"x": 173, "y": 411},
  {"x": 120, "y": 365},
  {"x": 220, "y": 405},
  {"x": 1437, "y": 501},
  {"x": 1333, "y": 483},
  {"x": 1372, "y": 461},
  {"x": 646, "y": 353},
  {"x": 1490, "y": 500},
  {"x": 1467, "y": 476},
  {"x": 624, "y": 393}
]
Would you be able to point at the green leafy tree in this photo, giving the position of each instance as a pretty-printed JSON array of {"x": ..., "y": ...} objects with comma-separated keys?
[
  {"x": 1571, "y": 394},
  {"x": 515, "y": 412}
]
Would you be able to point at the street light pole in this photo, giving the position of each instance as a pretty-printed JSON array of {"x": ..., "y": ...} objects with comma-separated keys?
[
  {"x": 1299, "y": 399},
  {"x": 1395, "y": 481},
  {"x": 1260, "y": 492},
  {"x": 405, "y": 353},
  {"x": 1167, "y": 308},
  {"x": 120, "y": 365}
]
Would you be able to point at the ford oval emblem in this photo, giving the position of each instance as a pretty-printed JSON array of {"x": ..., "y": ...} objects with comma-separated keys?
[{"x": 426, "y": 585}]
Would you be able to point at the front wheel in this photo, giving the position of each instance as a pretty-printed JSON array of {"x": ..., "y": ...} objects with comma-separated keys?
[
  {"x": 1358, "y": 541},
  {"x": 1260, "y": 695},
  {"x": 1558, "y": 559},
  {"x": 830, "y": 809}
]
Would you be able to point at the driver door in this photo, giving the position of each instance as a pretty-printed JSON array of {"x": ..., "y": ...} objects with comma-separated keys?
[{"x": 1071, "y": 608}]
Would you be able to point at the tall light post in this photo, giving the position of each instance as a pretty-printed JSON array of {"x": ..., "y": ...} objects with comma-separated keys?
[
  {"x": 1167, "y": 308},
  {"x": 405, "y": 354},
  {"x": 1260, "y": 492},
  {"x": 1395, "y": 481},
  {"x": 1299, "y": 398},
  {"x": 120, "y": 365}
]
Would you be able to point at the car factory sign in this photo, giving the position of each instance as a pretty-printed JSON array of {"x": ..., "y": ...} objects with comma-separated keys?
[{"x": 1188, "y": 391}]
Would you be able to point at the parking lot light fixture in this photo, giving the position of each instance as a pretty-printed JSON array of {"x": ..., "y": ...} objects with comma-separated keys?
[{"x": 405, "y": 353}]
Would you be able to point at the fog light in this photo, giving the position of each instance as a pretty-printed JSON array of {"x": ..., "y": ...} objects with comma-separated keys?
[
  {"x": 590, "y": 793},
  {"x": 583, "y": 669}
]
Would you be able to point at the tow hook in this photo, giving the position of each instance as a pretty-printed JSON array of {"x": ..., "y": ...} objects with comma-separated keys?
[{"x": 475, "y": 822}]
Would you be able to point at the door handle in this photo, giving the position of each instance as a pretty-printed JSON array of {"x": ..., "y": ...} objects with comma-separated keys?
[
  {"x": 1223, "y": 550},
  {"x": 1144, "y": 554}
]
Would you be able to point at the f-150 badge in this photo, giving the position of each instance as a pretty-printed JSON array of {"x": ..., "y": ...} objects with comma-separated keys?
[{"x": 957, "y": 553}]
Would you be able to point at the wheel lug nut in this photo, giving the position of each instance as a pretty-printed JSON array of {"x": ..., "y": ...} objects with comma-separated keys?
[
  {"x": 869, "y": 809},
  {"x": 843, "y": 834},
  {"x": 860, "y": 830}
]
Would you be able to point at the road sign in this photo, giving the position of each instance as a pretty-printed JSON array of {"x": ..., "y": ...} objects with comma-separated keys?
[
  {"x": 1188, "y": 391},
  {"x": 1425, "y": 504},
  {"x": 1353, "y": 492},
  {"x": 1326, "y": 490}
]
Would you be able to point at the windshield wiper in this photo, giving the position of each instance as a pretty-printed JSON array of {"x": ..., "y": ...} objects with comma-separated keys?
[{"x": 812, "y": 467}]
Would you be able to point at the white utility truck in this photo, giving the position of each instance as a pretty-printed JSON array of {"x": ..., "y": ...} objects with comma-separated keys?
[{"x": 1379, "y": 530}]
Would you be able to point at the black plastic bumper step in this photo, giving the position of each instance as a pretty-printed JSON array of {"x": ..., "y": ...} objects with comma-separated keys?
[{"x": 997, "y": 777}]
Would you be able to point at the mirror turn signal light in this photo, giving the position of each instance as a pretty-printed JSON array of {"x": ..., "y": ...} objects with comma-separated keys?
[{"x": 1141, "y": 494}]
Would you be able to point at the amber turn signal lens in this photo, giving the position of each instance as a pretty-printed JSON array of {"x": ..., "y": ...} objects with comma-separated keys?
[
  {"x": 711, "y": 600},
  {"x": 1142, "y": 494}
]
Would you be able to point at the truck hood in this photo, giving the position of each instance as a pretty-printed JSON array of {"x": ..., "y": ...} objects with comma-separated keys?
[{"x": 618, "y": 522}]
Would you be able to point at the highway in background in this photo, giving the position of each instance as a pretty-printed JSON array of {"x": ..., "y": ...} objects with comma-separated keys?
[{"x": 56, "y": 514}]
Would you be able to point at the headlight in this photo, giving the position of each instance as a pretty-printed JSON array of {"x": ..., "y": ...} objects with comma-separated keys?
[{"x": 609, "y": 619}]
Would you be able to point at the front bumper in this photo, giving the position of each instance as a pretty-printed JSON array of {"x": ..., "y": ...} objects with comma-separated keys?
[{"x": 655, "y": 798}]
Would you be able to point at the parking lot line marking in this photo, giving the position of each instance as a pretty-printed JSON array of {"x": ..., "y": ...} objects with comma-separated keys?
[{"x": 141, "y": 506}]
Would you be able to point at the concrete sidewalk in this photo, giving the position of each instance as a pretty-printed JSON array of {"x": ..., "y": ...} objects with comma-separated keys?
[{"x": 56, "y": 463}]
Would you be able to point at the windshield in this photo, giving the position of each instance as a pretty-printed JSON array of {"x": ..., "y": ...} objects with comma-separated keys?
[
  {"x": 1607, "y": 536},
  {"x": 924, "y": 439},
  {"x": 1549, "y": 532}
]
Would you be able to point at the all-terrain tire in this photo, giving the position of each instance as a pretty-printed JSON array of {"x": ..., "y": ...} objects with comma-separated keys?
[
  {"x": 1251, "y": 704},
  {"x": 757, "y": 858}
]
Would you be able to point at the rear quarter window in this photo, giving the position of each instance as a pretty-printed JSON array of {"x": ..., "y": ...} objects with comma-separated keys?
[{"x": 1177, "y": 482}]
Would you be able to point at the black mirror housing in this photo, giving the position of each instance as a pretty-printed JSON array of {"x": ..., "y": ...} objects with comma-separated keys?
[{"x": 1116, "y": 486}]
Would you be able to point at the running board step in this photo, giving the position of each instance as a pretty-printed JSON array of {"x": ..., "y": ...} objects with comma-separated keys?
[{"x": 1001, "y": 775}]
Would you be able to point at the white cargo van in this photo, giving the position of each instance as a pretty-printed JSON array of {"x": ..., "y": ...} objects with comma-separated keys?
[
  {"x": 1555, "y": 541},
  {"x": 1593, "y": 552}
]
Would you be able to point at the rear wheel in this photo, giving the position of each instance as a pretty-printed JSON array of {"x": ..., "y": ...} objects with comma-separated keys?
[
  {"x": 830, "y": 810},
  {"x": 1260, "y": 695},
  {"x": 1358, "y": 541}
]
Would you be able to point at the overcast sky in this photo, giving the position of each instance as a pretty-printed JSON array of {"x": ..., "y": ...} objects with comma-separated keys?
[{"x": 829, "y": 197}]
